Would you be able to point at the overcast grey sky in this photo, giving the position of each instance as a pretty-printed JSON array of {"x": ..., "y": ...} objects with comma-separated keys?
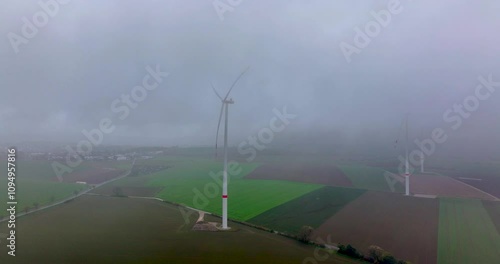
[{"x": 428, "y": 58}]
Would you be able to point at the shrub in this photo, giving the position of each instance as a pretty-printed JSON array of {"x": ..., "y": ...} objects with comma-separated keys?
[
  {"x": 118, "y": 192},
  {"x": 349, "y": 251},
  {"x": 305, "y": 234},
  {"x": 375, "y": 254},
  {"x": 388, "y": 259},
  {"x": 378, "y": 255}
]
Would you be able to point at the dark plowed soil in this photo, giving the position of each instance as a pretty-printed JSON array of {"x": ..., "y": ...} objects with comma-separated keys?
[
  {"x": 405, "y": 226},
  {"x": 309, "y": 173}
]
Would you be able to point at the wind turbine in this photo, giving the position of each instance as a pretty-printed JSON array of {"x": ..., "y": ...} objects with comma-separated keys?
[
  {"x": 407, "y": 162},
  {"x": 422, "y": 157},
  {"x": 225, "y": 109}
]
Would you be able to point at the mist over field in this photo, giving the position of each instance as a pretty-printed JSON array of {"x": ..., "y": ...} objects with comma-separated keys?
[{"x": 430, "y": 56}]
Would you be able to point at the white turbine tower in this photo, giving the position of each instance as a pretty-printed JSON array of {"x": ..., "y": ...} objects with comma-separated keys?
[
  {"x": 422, "y": 158},
  {"x": 407, "y": 162},
  {"x": 225, "y": 109}
]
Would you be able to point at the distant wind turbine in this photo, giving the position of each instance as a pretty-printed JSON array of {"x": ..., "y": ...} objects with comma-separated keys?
[
  {"x": 407, "y": 162},
  {"x": 225, "y": 109},
  {"x": 422, "y": 157}
]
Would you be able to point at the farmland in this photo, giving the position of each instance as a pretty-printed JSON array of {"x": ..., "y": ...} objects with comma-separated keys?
[
  {"x": 94, "y": 229},
  {"x": 486, "y": 179},
  {"x": 484, "y": 175},
  {"x": 32, "y": 169},
  {"x": 487, "y": 183},
  {"x": 42, "y": 192},
  {"x": 311, "y": 209},
  {"x": 444, "y": 186},
  {"x": 141, "y": 174},
  {"x": 127, "y": 190},
  {"x": 196, "y": 183},
  {"x": 279, "y": 195},
  {"x": 326, "y": 174},
  {"x": 405, "y": 226},
  {"x": 368, "y": 178},
  {"x": 248, "y": 198},
  {"x": 37, "y": 184},
  {"x": 493, "y": 209},
  {"x": 93, "y": 175},
  {"x": 131, "y": 186},
  {"x": 466, "y": 233},
  {"x": 140, "y": 170}
]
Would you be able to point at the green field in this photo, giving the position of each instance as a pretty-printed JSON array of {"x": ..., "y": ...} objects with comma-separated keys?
[
  {"x": 466, "y": 233},
  {"x": 192, "y": 186},
  {"x": 493, "y": 209},
  {"x": 96, "y": 229},
  {"x": 311, "y": 209},
  {"x": 35, "y": 183},
  {"x": 41, "y": 192},
  {"x": 368, "y": 178},
  {"x": 142, "y": 181},
  {"x": 123, "y": 165}
]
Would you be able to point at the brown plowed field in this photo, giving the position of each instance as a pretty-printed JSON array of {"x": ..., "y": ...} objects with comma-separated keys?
[
  {"x": 299, "y": 172},
  {"x": 108, "y": 189},
  {"x": 405, "y": 226},
  {"x": 488, "y": 184},
  {"x": 444, "y": 186},
  {"x": 487, "y": 180},
  {"x": 93, "y": 175}
]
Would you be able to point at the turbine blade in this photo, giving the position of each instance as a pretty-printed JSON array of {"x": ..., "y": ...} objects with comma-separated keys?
[
  {"x": 215, "y": 91},
  {"x": 218, "y": 127},
  {"x": 234, "y": 83}
]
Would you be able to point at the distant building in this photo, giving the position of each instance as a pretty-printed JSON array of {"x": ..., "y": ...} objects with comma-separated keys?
[{"x": 121, "y": 157}]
